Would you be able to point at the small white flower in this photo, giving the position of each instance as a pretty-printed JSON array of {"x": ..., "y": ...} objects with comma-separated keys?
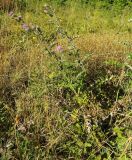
[
  {"x": 130, "y": 20},
  {"x": 22, "y": 129},
  {"x": 88, "y": 126}
]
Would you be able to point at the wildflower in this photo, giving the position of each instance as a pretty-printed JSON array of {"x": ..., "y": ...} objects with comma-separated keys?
[
  {"x": 34, "y": 38},
  {"x": 59, "y": 48},
  {"x": 88, "y": 127},
  {"x": 19, "y": 18},
  {"x": 48, "y": 10},
  {"x": 11, "y": 13},
  {"x": 25, "y": 27},
  {"x": 22, "y": 128},
  {"x": 130, "y": 20}
]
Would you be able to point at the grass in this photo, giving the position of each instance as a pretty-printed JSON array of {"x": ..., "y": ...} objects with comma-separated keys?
[{"x": 67, "y": 103}]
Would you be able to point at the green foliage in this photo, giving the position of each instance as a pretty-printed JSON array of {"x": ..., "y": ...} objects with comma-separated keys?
[
  {"x": 70, "y": 105},
  {"x": 103, "y": 3}
]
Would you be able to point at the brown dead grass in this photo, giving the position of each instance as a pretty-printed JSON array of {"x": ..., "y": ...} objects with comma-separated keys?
[
  {"x": 105, "y": 43},
  {"x": 6, "y": 4}
]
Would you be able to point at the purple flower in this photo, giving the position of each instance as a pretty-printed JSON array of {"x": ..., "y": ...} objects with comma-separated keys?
[
  {"x": 25, "y": 27},
  {"x": 59, "y": 48},
  {"x": 11, "y": 13}
]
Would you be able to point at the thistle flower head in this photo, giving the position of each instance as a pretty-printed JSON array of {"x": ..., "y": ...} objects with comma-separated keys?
[
  {"x": 19, "y": 18},
  {"x": 11, "y": 13},
  {"x": 59, "y": 48},
  {"x": 25, "y": 27}
]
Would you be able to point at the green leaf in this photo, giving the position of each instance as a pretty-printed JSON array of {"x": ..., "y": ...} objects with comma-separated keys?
[
  {"x": 88, "y": 144},
  {"x": 80, "y": 143}
]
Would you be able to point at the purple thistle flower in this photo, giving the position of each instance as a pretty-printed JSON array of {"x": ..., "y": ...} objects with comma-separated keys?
[
  {"x": 59, "y": 48},
  {"x": 25, "y": 27},
  {"x": 11, "y": 13}
]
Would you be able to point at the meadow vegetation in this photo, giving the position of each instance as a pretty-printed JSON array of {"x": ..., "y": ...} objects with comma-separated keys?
[{"x": 66, "y": 80}]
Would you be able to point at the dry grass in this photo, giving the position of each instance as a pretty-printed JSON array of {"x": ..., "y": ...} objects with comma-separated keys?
[
  {"x": 6, "y": 4},
  {"x": 106, "y": 43},
  {"x": 40, "y": 117}
]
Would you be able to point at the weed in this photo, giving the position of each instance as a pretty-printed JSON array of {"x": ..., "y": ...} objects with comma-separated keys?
[{"x": 65, "y": 94}]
